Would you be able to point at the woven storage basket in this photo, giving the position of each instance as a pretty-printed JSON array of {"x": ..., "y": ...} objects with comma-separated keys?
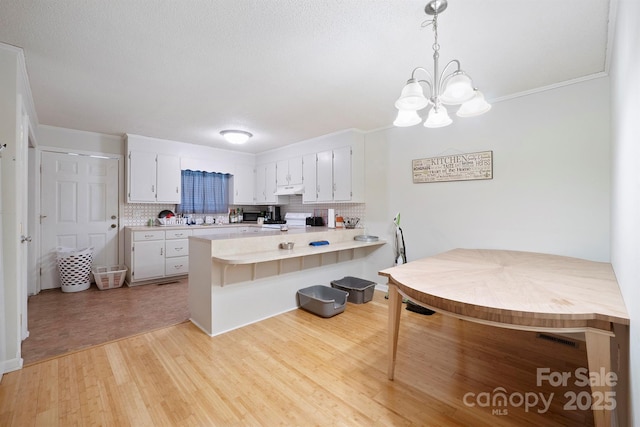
[
  {"x": 74, "y": 266},
  {"x": 109, "y": 277}
]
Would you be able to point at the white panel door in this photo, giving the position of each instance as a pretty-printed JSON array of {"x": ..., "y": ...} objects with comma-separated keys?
[{"x": 79, "y": 209}]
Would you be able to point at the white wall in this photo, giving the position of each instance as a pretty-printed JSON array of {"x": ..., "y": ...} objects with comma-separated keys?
[
  {"x": 15, "y": 100},
  {"x": 550, "y": 186},
  {"x": 10, "y": 316},
  {"x": 79, "y": 141},
  {"x": 625, "y": 212}
]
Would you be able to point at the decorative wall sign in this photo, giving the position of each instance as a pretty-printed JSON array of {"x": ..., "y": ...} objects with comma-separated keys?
[{"x": 455, "y": 167}]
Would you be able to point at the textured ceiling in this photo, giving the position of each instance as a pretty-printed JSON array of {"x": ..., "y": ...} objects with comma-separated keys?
[{"x": 285, "y": 70}]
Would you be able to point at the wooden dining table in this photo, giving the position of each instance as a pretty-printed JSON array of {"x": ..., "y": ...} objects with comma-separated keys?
[{"x": 517, "y": 290}]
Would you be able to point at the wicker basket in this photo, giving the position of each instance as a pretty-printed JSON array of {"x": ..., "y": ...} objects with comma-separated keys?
[{"x": 109, "y": 277}]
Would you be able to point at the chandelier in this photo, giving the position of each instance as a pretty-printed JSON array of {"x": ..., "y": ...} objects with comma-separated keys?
[{"x": 454, "y": 88}]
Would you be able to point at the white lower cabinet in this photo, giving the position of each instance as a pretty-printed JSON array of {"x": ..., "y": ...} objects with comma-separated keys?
[
  {"x": 151, "y": 255},
  {"x": 176, "y": 253}
]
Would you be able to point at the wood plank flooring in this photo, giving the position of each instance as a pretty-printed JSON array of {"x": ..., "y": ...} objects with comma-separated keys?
[{"x": 299, "y": 369}]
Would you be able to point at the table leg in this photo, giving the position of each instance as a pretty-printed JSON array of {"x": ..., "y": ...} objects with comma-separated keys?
[
  {"x": 395, "y": 305},
  {"x": 599, "y": 359}
]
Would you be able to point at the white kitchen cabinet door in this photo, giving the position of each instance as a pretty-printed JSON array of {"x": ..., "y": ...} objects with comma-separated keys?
[
  {"x": 309, "y": 178},
  {"x": 295, "y": 171},
  {"x": 176, "y": 248},
  {"x": 176, "y": 266},
  {"x": 260, "y": 192},
  {"x": 153, "y": 178},
  {"x": 324, "y": 176},
  {"x": 243, "y": 185},
  {"x": 270, "y": 183},
  {"x": 342, "y": 174},
  {"x": 148, "y": 260},
  {"x": 142, "y": 177},
  {"x": 282, "y": 172},
  {"x": 289, "y": 172},
  {"x": 168, "y": 179}
]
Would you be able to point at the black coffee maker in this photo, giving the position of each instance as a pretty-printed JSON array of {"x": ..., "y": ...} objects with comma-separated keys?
[{"x": 273, "y": 213}]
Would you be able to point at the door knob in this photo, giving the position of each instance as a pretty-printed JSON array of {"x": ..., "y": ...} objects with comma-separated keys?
[
  {"x": 113, "y": 226},
  {"x": 113, "y": 217}
]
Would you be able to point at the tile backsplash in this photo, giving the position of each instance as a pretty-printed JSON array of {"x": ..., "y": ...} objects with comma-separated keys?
[
  {"x": 320, "y": 209},
  {"x": 138, "y": 214}
]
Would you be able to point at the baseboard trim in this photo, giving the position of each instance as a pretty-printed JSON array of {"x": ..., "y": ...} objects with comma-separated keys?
[{"x": 11, "y": 365}]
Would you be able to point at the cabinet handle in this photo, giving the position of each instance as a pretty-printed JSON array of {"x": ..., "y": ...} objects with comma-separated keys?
[
  {"x": 161, "y": 251},
  {"x": 153, "y": 188},
  {"x": 177, "y": 190},
  {"x": 179, "y": 249}
]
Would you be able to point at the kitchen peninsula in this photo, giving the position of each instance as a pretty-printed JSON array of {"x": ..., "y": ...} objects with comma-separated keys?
[{"x": 242, "y": 278}]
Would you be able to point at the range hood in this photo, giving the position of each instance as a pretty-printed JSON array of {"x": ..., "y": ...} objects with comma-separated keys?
[{"x": 287, "y": 190}]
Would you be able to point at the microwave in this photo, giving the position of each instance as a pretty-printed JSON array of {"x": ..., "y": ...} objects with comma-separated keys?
[{"x": 250, "y": 216}]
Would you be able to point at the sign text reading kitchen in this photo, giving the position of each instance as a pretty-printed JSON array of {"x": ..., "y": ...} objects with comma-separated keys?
[{"x": 455, "y": 167}]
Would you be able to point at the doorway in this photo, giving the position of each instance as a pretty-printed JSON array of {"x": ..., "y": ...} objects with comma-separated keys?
[{"x": 79, "y": 209}]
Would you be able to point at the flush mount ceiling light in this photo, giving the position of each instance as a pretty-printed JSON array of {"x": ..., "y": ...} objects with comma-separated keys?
[
  {"x": 236, "y": 136},
  {"x": 454, "y": 88}
]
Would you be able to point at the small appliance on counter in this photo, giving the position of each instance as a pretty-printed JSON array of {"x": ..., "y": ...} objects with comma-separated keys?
[
  {"x": 273, "y": 213},
  {"x": 295, "y": 219},
  {"x": 315, "y": 221},
  {"x": 272, "y": 223},
  {"x": 250, "y": 216}
]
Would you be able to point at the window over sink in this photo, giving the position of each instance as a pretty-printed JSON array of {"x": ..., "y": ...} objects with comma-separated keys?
[{"x": 204, "y": 192}]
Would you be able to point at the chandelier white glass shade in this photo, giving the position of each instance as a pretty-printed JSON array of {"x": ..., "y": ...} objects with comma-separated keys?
[
  {"x": 446, "y": 87},
  {"x": 236, "y": 136}
]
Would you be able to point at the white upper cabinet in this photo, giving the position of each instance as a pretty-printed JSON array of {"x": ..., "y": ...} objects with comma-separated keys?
[
  {"x": 289, "y": 171},
  {"x": 153, "y": 175},
  {"x": 333, "y": 176},
  {"x": 309, "y": 178},
  {"x": 169, "y": 179},
  {"x": 324, "y": 176},
  {"x": 342, "y": 174},
  {"x": 266, "y": 184},
  {"x": 243, "y": 185},
  {"x": 270, "y": 183},
  {"x": 153, "y": 178},
  {"x": 141, "y": 177}
]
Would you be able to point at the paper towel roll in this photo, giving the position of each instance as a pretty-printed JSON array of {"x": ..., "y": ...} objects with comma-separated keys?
[{"x": 331, "y": 218}]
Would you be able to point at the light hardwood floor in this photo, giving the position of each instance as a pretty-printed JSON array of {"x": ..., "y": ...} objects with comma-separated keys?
[{"x": 298, "y": 369}]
